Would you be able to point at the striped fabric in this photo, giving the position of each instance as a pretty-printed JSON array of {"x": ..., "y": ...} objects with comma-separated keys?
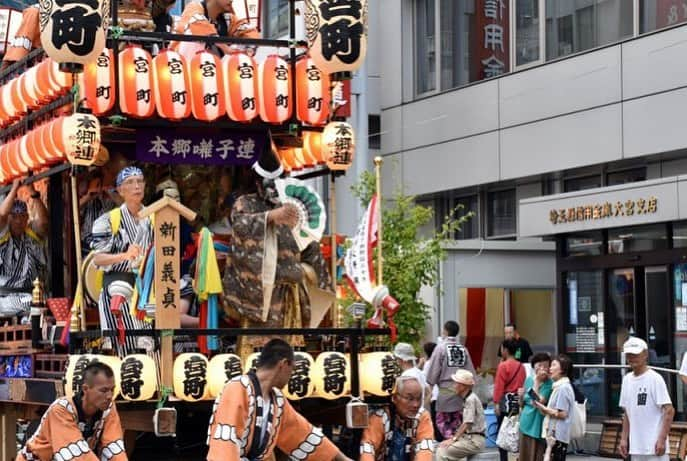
[{"x": 131, "y": 231}]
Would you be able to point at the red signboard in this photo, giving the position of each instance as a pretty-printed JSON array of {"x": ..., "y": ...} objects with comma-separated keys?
[
  {"x": 491, "y": 57},
  {"x": 669, "y": 12}
]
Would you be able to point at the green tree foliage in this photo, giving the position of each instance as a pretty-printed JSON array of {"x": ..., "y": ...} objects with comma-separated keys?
[{"x": 410, "y": 261}]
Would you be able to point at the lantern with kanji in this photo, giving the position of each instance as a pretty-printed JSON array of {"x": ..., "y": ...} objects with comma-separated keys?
[
  {"x": 338, "y": 145},
  {"x": 135, "y": 82},
  {"x": 222, "y": 369},
  {"x": 99, "y": 83},
  {"x": 81, "y": 137},
  {"x": 190, "y": 377},
  {"x": 337, "y": 34},
  {"x": 288, "y": 159},
  {"x": 378, "y": 373},
  {"x": 249, "y": 10},
  {"x": 312, "y": 93},
  {"x": 138, "y": 377},
  {"x": 274, "y": 99},
  {"x": 301, "y": 384},
  {"x": 74, "y": 374},
  {"x": 251, "y": 362},
  {"x": 240, "y": 86},
  {"x": 172, "y": 90},
  {"x": 72, "y": 33},
  {"x": 332, "y": 375},
  {"x": 207, "y": 93},
  {"x": 114, "y": 363}
]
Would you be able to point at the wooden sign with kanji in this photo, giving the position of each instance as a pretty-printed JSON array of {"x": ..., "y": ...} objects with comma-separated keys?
[{"x": 166, "y": 213}]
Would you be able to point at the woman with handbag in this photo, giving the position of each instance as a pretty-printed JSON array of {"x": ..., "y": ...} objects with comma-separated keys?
[
  {"x": 537, "y": 389},
  {"x": 510, "y": 376},
  {"x": 558, "y": 413}
]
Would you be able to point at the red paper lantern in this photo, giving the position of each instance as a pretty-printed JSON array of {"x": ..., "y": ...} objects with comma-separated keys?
[
  {"x": 312, "y": 93},
  {"x": 172, "y": 93},
  {"x": 99, "y": 83},
  {"x": 33, "y": 149},
  {"x": 30, "y": 89},
  {"x": 7, "y": 172},
  {"x": 240, "y": 86},
  {"x": 53, "y": 142},
  {"x": 3, "y": 150},
  {"x": 4, "y": 115},
  {"x": 207, "y": 94},
  {"x": 60, "y": 81},
  {"x": 26, "y": 163},
  {"x": 15, "y": 164},
  {"x": 312, "y": 146},
  {"x": 46, "y": 89},
  {"x": 136, "y": 83},
  {"x": 45, "y": 144},
  {"x": 288, "y": 159},
  {"x": 15, "y": 92},
  {"x": 274, "y": 90}
]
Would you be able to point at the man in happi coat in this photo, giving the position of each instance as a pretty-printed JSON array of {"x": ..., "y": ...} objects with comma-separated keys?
[
  {"x": 212, "y": 18},
  {"x": 22, "y": 254},
  {"x": 120, "y": 237},
  {"x": 27, "y": 37},
  {"x": 403, "y": 432},
  {"x": 251, "y": 417},
  {"x": 83, "y": 428},
  {"x": 264, "y": 280}
]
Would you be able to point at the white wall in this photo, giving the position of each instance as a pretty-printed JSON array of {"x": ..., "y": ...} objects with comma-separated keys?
[{"x": 619, "y": 102}]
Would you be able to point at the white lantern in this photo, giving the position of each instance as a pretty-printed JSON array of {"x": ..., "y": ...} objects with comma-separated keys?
[
  {"x": 138, "y": 377},
  {"x": 301, "y": 385},
  {"x": 222, "y": 369},
  {"x": 190, "y": 377},
  {"x": 378, "y": 373},
  {"x": 74, "y": 374},
  {"x": 81, "y": 137},
  {"x": 72, "y": 33},
  {"x": 332, "y": 375},
  {"x": 251, "y": 362},
  {"x": 336, "y": 34},
  {"x": 338, "y": 145}
]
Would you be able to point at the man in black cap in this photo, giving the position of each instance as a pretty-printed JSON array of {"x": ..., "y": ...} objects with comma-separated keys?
[
  {"x": 264, "y": 280},
  {"x": 22, "y": 255}
]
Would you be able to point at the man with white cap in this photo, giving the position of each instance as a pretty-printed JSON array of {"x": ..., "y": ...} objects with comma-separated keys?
[
  {"x": 648, "y": 410},
  {"x": 407, "y": 362},
  {"x": 469, "y": 438}
]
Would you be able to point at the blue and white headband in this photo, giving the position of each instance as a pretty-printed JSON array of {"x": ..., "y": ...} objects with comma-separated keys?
[
  {"x": 19, "y": 207},
  {"x": 126, "y": 173}
]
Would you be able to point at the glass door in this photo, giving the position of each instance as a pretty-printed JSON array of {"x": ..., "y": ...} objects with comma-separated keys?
[{"x": 658, "y": 319}]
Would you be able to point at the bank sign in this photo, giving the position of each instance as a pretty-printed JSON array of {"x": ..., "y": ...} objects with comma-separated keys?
[{"x": 633, "y": 204}]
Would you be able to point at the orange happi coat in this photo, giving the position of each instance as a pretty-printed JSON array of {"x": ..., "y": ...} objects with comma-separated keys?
[
  {"x": 59, "y": 438},
  {"x": 234, "y": 422},
  {"x": 419, "y": 430},
  {"x": 27, "y": 37}
]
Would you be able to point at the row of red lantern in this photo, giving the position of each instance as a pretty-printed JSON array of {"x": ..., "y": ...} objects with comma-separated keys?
[
  {"x": 207, "y": 87},
  {"x": 39, "y": 85},
  {"x": 335, "y": 147},
  {"x": 50, "y": 143}
]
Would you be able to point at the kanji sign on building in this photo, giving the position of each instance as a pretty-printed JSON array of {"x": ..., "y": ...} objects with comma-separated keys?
[{"x": 492, "y": 51}]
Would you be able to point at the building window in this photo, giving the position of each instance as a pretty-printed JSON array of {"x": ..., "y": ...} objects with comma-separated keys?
[
  {"x": 374, "y": 128},
  {"x": 638, "y": 238},
  {"x": 276, "y": 18},
  {"x": 469, "y": 229},
  {"x": 527, "y": 32},
  {"x": 657, "y": 14},
  {"x": 584, "y": 244},
  {"x": 578, "y": 25},
  {"x": 456, "y": 44},
  {"x": 581, "y": 183},
  {"x": 501, "y": 214},
  {"x": 625, "y": 176}
]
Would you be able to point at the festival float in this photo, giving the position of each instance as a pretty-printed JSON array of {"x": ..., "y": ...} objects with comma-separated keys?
[{"x": 200, "y": 120}]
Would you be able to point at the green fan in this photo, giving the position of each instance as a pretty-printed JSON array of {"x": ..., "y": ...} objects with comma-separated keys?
[{"x": 311, "y": 210}]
